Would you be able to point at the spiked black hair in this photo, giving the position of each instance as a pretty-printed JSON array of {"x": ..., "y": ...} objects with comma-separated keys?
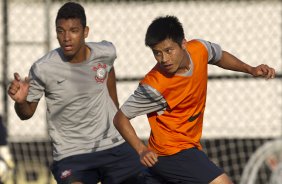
[
  {"x": 162, "y": 28},
  {"x": 72, "y": 10}
]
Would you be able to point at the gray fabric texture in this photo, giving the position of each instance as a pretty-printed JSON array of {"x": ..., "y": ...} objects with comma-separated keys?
[{"x": 79, "y": 108}]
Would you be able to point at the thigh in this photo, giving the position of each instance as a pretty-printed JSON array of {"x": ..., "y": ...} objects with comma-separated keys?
[
  {"x": 74, "y": 169},
  {"x": 190, "y": 166},
  {"x": 150, "y": 178},
  {"x": 123, "y": 166}
]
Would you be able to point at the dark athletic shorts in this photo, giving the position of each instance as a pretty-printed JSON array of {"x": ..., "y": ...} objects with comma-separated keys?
[
  {"x": 190, "y": 166},
  {"x": 3, "y": 133},
  {"x": 118, "y": 165}
]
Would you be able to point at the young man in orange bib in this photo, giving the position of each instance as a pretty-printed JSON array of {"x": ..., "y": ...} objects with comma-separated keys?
[{"x": 173, "y": 95}]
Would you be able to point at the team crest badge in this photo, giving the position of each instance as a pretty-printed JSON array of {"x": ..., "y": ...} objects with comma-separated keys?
[{"x": 101, "y": 72}]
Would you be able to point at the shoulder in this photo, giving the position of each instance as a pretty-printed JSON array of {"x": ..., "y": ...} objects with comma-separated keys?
[
  {"x": 103, "y": 47},
  {"x": 102, "y": 44},
  {"x": 208, "y": 45},
  {"x": 52, "y": 56},
  {"x": 157, "y": 79},
  {"x": 104, "y": 51},
  {"x": 152, "y": 75},
  {"x": 214, "y": 50},
  {"x": 197, "y": 43}
]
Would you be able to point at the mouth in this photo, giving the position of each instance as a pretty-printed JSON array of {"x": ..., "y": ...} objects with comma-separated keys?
[
  {"x": 67, "y": 47},
  {"x": 168, "y": 66}
]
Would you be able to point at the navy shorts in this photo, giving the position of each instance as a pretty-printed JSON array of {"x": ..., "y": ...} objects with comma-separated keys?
[
  {"x": 118, "y": 165},
  {"x": 3, "y": 133},
  {"x": 190, "y": 166}
]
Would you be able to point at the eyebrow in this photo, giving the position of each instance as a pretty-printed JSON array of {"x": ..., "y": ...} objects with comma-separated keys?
[{"x": 71, "y": 28}]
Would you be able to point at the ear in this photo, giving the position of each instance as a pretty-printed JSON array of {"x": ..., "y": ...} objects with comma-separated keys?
[
  {"x": 183, "y": 44},
  {"x": 86, "y": 31}
]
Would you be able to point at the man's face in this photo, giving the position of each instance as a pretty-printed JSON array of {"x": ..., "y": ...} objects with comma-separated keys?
[
  {"x": 171, "y": 57},
  {"x": 71, "y": 36}
]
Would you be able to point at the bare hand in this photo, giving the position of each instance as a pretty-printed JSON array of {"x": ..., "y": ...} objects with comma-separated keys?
[
  {"x": 263, "y": 71},
  {"x": 148, "y": 158},
  {"x": 18, "y": 89}
]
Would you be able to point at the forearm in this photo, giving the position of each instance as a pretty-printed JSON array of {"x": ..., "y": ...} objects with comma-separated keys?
[
  {"x": 230, "y": 62},
  {"x": 125, "y": 128},
  {"x": 25, "y": 110}
]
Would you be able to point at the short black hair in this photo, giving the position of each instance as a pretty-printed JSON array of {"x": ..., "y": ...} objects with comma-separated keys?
[
  {"x": 72, "y": 10},
  {"x": 167, "y": 27}
]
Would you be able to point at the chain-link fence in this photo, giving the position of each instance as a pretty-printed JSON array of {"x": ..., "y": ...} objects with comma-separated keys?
[{"x": 242, "y": 112}]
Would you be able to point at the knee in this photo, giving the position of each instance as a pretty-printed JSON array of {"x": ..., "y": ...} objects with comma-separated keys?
[{"x": 222, "y": 179}]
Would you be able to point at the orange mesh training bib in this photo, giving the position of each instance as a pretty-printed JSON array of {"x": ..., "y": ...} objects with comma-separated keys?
[{"x": 180, "y": 126}]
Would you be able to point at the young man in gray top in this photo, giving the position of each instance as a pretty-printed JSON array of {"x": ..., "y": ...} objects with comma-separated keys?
[{"x": 78, "y": 81}]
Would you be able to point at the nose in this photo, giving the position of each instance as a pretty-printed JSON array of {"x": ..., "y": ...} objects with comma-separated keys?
[
  {"x": 66, "y": 36},
  {"x": 165, "y": 58}
]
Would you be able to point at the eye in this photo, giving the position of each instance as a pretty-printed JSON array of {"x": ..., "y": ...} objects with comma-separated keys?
[
  {"x": 75, "y": 30},
  {"x": 59, "y": 31},
  {"x": 156, "y": 53},
  {"x": 168, "y": 51}
]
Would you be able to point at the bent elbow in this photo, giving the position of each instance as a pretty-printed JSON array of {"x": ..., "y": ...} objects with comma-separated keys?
[{"x": 115, "y": 120}]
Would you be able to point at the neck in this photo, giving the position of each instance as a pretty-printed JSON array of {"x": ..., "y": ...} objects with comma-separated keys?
[
  {"x": 188, "y": 61},
  {"x": 185, "y": 63},
  {"x": 81, "y": 56}
]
